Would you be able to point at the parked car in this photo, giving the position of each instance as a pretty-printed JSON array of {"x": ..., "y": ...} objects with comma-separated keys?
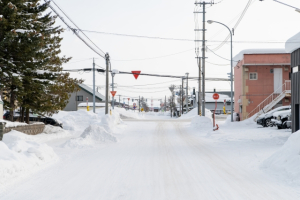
[
  {"x": 266, "y": 119},
  {"x": 35, "y": 118},
  {"x": 282, "y": 119}
]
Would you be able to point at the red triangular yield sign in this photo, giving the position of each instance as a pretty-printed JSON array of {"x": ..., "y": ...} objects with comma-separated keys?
[
  {"x": 113, "y": 93},
  {"x": 136, "y": 74}
]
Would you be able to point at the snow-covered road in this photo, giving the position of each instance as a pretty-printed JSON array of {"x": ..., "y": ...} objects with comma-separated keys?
[{"x": 153, "y": 159}]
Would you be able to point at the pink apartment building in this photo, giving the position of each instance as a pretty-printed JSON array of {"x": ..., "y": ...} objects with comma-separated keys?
[{"x": 261, "y": 79}]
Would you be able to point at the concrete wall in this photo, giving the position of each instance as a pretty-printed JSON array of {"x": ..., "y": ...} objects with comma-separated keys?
[
  {"x": 30, "y": 129},
  {"x": 73, "y": 103}
]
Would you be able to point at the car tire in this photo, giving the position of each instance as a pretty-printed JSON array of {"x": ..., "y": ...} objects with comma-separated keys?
[{"x": 268, "y": 123}]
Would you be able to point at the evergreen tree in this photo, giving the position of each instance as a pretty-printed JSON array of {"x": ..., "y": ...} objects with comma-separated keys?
[{"x": 29, "y": 52}]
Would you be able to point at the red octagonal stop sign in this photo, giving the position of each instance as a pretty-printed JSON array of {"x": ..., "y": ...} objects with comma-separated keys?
[{"x": 216, "y": 96}]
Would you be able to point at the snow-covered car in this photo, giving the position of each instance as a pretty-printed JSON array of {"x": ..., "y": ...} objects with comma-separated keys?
[
  {"x": 282, "y": 119},
  {"x": 266, "y": 119}
]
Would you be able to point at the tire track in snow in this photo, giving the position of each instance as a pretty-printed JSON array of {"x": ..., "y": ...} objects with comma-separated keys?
[{"x": 243, "y": 185}]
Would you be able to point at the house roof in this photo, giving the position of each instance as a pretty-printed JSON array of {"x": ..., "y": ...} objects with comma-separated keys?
[
  {"x": 293, "y": 43},
  {"x": 90, "y": 91},
  {"x": 240, "y": 55}
]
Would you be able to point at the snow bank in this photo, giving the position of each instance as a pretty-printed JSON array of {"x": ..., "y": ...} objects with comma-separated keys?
[
  {"x": 98, "y": 132},
  {"x": 202, "y": 123},
  {"x": 194, "y": 113},
  {"x": 77, "y": 121},
  {"x": 20, "y": 154},
  {"x": 52, "y": 133},
  {"x": 286, "y": 161},
  {"x": 91, "y": 135}
]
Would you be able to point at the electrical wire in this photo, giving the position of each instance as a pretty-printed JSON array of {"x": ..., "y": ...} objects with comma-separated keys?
[
  {"x": 73, "y": 30},
  {"x": 221, "y": 56},
  {"x": 235, "y": 26},
  {"x": 189, "y": 40},
  {"x": 138, "y": 59},
  {"x": 77, "y": 26}
]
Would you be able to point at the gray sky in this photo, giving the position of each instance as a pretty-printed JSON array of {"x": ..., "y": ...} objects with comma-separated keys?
[{"x": 264, "y": 21}]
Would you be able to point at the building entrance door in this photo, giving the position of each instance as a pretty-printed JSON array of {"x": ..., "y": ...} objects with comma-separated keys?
[{"x": 278, "y": 80}]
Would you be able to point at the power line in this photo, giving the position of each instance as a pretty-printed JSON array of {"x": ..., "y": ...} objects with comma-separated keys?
[
  {"x": 235, "y": 26},
  {"x": 77, "y": 27},
  {"x": 73, "y": 30},
  {"x": 137, "y": 59},
  {"x": 190, "y": 40},
  {"x": 220, "y": 56}
]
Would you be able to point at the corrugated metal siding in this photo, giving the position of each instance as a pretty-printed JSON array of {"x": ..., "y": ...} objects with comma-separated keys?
[{"x": 295, "y": 80}]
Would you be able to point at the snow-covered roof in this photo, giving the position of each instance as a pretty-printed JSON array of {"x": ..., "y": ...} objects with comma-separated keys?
[
  {"x": 240, "y": 55},
  {"x": 91, "y": 104},
  {"x": 293, "y": 43},
  {"x": 90, "y": 90}
]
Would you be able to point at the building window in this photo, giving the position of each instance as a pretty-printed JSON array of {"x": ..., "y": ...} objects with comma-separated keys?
[
  {"x": 252, "y": 76},
  {"x": 79, "y": 98}
]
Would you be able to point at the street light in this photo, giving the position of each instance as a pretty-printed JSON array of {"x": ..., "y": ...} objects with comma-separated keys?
[{"x": 231, "y": 76}]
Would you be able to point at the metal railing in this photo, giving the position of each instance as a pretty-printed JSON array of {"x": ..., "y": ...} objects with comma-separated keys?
[{"x": 274, "y": 98}]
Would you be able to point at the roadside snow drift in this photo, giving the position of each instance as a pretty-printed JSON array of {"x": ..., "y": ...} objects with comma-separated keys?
[
  {"x": 98, "y": 132},
  {"x": 20, "y": 154},
  {"x": 286, "y": 161}
]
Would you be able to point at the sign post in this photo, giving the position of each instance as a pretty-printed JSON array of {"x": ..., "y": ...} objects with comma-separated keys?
[
  {"x": 134, "y": 106},
  {"x": 224, "y": 107},
  {"x": 87, "y": 104},
  {"x": 215, "y": 97},
  {"x": 113, "y": 93},
  {"x": 128, "y": 103}
]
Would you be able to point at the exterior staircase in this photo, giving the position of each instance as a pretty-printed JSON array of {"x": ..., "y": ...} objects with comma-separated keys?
[{"x": 272, "y": 100}]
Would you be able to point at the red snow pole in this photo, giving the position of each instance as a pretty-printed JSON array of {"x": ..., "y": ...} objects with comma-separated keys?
[{"x": 215, "y": 97}]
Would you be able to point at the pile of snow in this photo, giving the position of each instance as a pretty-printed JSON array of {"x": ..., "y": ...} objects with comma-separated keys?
[
  {"x": 20, "y": 154},
  {"x": 91, "y": 135},
  {"x": 202, "y": 123},
  {"x": 51, "y": 133},
  {"x": 77, "y": 121},
  {"x": 100, "y": 131},
  {"x": 286, "y": 161},
  {"x": 194, "y": 113}
]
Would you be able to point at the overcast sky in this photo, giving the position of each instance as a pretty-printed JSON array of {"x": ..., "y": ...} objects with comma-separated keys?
[{"x": 264, "y": 21}]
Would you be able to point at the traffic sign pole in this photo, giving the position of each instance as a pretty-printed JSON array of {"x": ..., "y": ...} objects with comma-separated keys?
[{"x": 215, "y": 97}]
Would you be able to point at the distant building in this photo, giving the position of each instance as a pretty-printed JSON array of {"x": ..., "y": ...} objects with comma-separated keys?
[
  {"x": 293, "y": 46},
  {"x": 79, "y": 97},
  {"x": 210, "y": 103},
  {"x": 261, "y": 81}
]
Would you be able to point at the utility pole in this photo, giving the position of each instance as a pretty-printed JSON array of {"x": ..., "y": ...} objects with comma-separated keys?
[
  {"x": 182, "y": 95},
  {"x": 107, "y": 83},
  {"x": 187, "y": 92},
  {"x": 94, "y": 96},
  {"x": 203, "y": 4},
  {"x": 199, "y": 88},
  {"x": 165, "y": 103},
  {"x": 203, "y": 62},
  {"x": 180, "y": 108}
]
